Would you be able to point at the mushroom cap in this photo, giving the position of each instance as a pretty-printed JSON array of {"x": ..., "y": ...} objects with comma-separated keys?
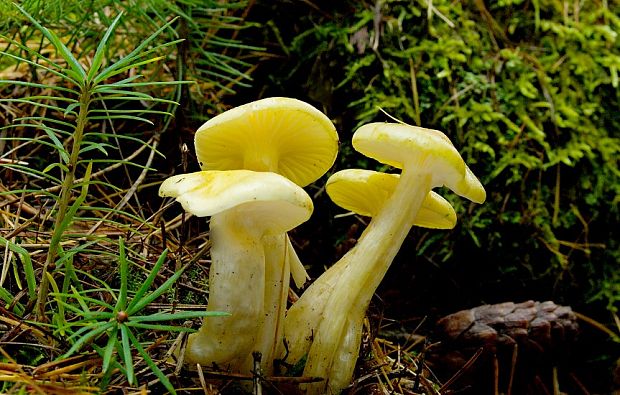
[
  {"x": 279, "y": 134},
  {"x": 396, "y": 144},
  {"x": 277, "y": 203},
  {"x": 365, "y": 192}
]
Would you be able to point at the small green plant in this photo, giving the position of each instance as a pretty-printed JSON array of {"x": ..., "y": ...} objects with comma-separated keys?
[
  {"x": 84, "y": 95},
  {"x": 86, "y": 92},
  {"x": 116, "y": 325}
]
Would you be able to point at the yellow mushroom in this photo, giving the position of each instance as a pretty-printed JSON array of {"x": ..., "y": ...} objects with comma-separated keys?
[
  {"x": 326, "y": 323},
  {"x": 246, "y": 208},
  {"x": 281, "y": 135},
  {"x": 278, "y": 134}
]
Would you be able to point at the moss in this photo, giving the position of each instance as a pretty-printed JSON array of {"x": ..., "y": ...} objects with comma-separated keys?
[{"x": 528, "y": 91}]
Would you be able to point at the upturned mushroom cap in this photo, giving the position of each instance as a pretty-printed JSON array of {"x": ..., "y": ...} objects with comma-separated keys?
[
  {"x": 279, "y": 203},
  {"x": 365, "y": 191},
  {"x": 397, "y": 144},
  {"x": 278, "y": 134}
]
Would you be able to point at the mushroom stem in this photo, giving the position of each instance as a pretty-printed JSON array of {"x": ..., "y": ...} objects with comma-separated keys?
[
  {"x": 270, "y": 326},
  {"x": 334, "y": 332},
  {"x": 237, "y": 258},
  {"x": 250, "y": 214}
]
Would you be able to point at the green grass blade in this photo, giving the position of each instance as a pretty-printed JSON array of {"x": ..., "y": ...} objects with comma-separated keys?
[
  {"x": 123, "y": 267},
  {"x": 126, "y": 111},
  {"x": 84, "y": 327},
  {"x": 51, "y": 97},
  {"x": 67, "y": 220},
  {"x": 114, "y": 93},
  {"x": 181, "y": 315},
  {"x": 96, "y": 279},
  {"x": 64, "y": 155},
  {"x": 47, "y": 120},
  {"x": 160, "y": 327},
  {"x": 101, "y": 147},
  {"x": 29, "y": 140},
  {"x": 96, "y": 331},
  {"x": 61, "y": 321},
  {"x": 32, "y": 172},
  {"x": 36, "y": 126},
  {"x": 78, "y": 72},
  {"x": 68, "y": 255},
  {"x": 114, "y": 369},
  {"x": 8, "y": 298},
  {"x": 102, "y": 136},
  {"x": 86, "y": 315},
  {"x": 142, "y": 303},
  {"x": 38, "y": 65},
  {"x": 154, "y": 368},
  {"x": 125, "y": 117},
  {"x": 37, "y": 104},
  {"x": 104, "y": 87},
  {"x": 126, "y": 353},
  {"x": 98, "y": 302},
  {"x": 154, "y": 83},
  {"x": 27, "y": 263},
  {"x": 133, "y": 66},
  {"x": 80, "y": 300},
  {"x": 147, "y": 283},
  {"x": 101, "y": 48},
  {"x": 40, "y": 86},
  {"x": 51, "y": 166},
  {"x": 71, "y": 107},
  {"x": 147, "y": 98},
  {"x": 108, "y": 351},
  {"x": 110, "y": 70},
  {"x": 30, "y": 191}
]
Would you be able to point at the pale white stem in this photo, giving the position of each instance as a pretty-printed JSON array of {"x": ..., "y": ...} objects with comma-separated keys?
[
  {"x": 361, "y": 271},
  {"x": 270, "y": 328},
  {"x": 304, "y": 316},
  {"x": 344, "y": 361},
  {"x": 236, "y": 286}
]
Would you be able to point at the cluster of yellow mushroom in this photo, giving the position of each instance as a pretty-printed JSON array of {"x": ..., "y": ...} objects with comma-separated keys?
[{"x": 255, "y": 159}]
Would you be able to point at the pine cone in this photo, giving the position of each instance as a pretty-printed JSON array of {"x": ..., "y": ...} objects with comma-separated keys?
[
  {"x": 544, "y": 326},
  {"x": 540, "y": 333},
  {"x": 543, "y": 333}
]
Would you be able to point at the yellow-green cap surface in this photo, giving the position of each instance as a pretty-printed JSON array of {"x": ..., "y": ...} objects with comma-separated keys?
[
  {"x": 365, "y": 192},
  {"x": 400, "y": 144},
  {"x": 279, "y": 134}
]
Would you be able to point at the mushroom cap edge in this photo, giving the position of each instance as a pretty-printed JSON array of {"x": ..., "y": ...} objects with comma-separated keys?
[
  {"x": 365, "y": 191},
  {"x": 281, "y": 203},
  {"x": 396, "y": 144}
]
